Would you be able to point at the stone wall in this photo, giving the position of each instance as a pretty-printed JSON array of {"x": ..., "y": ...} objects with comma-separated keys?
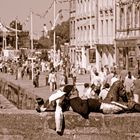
[
  {"x": 5, "y": 104},
  {"x": 20, "y": 97},
  {"x": 30, "y": 125},
  {"x": 25, "y": 124}
]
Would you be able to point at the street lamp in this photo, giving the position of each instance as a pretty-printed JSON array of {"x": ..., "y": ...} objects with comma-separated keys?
[
  {"x": 54, "y": 47},
  {"x": 54, "y": 35},
  {"x": 16, "y": 36},
  {"x": 32, "y": 47}
]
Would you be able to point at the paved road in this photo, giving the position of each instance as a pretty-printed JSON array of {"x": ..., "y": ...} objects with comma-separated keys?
[{"x": 43, "y": 90}]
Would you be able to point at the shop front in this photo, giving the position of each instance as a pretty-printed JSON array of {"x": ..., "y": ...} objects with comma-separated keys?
[
  {"x": 104, "y": 55},
  {"x": 127, "y": 54}
]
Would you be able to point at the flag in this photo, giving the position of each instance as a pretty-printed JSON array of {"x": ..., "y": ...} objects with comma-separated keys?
[
  {"x": 3, "y": 28},
  {"x": 12, "y": 29}
]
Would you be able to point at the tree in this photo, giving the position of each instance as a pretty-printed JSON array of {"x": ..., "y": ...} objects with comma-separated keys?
[
  {"x": 62, "y": 31},
  {"x": 62, "y": 36},
  {"x": 13, "y": 25},
  {"x": 45, "y": 42}
]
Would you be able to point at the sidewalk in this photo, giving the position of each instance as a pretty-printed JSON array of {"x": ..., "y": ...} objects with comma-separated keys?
[{"x": 43, "y": 91}]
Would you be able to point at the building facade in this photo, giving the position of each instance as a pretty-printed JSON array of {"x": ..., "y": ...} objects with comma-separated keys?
[
  {"x": 128, "y": 33},
  {"x": 105, "y": 53},
  {"x": 92, "y": 27},
  {"x": 72, "y": 51},
  {"x": 83, "y": 32}
]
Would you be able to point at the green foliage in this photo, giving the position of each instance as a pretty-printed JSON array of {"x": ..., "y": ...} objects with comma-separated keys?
[
  {"x": 62, "y": 36},
  {"x": 13, "y": 25}
]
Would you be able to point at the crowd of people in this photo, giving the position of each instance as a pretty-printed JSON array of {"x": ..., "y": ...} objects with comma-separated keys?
[
  {"x": 103, "y": 80},
  {"x": 108, "y": 92},
  {"x": 31, "y": 70}
]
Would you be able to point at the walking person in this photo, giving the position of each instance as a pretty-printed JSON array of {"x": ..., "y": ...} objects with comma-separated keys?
[
  {"x": 36, "y": 78},
  {"x": 47, "y": 77},
  {"x": 52, "y": 80}
]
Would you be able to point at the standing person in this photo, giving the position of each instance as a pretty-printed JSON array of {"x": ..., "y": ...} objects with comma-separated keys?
[
  {"x": 97, "y": 82},
  {"x": 128, "y": 85},
  {"x": 104, "y": 91},
  {"x": 97, "y": 79},
  {"x": 73, "y": 74},
  {"x": 16, "y": 70},
  {"x": 136, "y": 88},
  {"x": 123, "y": 74},
  {"x": 36, "y": 78},
  {"x": 52, "y": 80},
  {"x": 47, "y": 77},
  {"x": 114, "y": 78},
  {"x": 93, "y": 70},
  {"x": 109, "y": 77},
  {"x": 102, "y": 76},
  {"x": 43, "y": 68}
]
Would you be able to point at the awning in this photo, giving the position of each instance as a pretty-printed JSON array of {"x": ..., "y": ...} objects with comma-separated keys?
[{"x": 126, "y": 43}]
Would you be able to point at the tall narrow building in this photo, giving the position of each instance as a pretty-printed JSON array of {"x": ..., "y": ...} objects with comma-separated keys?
[
  {"x": 128, "y": 33},
  {"x": 105, "y": 53},
  {"x": 92, "y": 32}
]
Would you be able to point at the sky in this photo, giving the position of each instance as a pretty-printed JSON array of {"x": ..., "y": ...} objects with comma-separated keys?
[{"x": 21, "y": 9}]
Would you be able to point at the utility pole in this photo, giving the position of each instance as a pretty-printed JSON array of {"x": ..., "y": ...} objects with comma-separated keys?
[
  {"x": 31, "y": 16},
  {"x": 90, "y": 24},
  {"x": 31, "y": 35},
  {"x": 16, "y": 36},
  {"x": 54, "y": 49}
]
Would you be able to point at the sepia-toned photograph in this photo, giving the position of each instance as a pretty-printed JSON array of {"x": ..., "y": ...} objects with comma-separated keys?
[{"x": 70, "y": 70}]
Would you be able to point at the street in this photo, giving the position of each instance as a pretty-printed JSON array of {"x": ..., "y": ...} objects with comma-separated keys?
[{"x": 43, "y": 91}]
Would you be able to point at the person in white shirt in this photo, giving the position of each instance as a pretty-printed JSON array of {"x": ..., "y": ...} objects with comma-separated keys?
[
  {"x": 86, "y": 91},
  {"x": 102, "y": 75},
  {"x": 52, "y": 80},
  {"x": 97, "y": 79},
  {"x": 104, "y": 91},
  {"x": 114, "y": 79}
]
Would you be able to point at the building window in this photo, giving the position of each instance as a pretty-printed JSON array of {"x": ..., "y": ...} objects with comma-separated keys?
[
  {"x": 92, "y": 56},
  {"x": 121, "y": 18},
  {"x": 129, "y": 16},
  {"x": 102, "y": 29},
  {"x": 137, "y": 16},
  {"x": 85, "y": 35},
  {"x": 89, "y": 35},
  {"x": 74, "y": 29},
  {"x": 111, "y": 33},
  {"x": 106, "y": 28}
]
